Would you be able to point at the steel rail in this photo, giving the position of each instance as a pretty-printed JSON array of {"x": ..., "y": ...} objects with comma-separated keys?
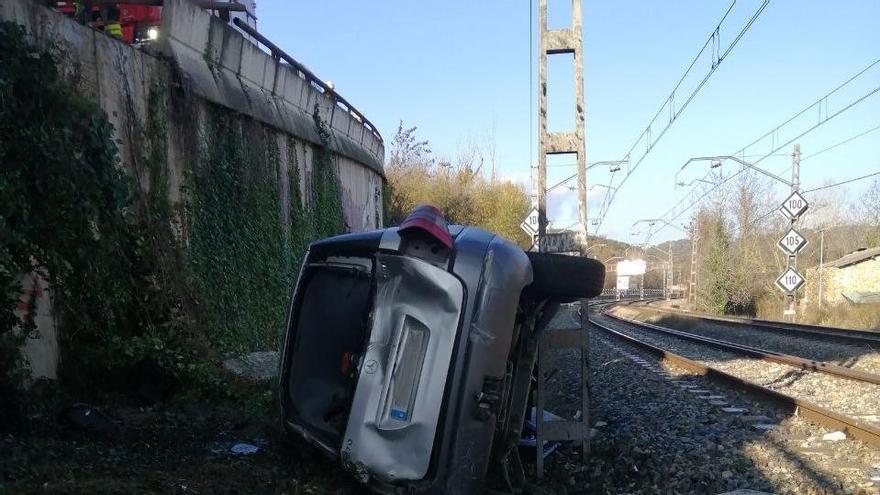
[
  {"x": 798, "y": 407},
  {"x": 763, "y": 354},
  {"x": 825, "y": 333}
]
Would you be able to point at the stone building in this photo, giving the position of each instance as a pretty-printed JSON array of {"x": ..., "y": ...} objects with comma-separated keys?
[{"x": 854, "y": 278}]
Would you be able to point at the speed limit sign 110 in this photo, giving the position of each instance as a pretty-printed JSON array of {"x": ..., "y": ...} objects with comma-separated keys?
[{"x": 790, "y": 281}]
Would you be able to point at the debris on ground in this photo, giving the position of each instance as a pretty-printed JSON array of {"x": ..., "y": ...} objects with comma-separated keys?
[
  {"x": 162, "y": 449},
  {"x": 529, "y": 438},
  {"x": 244, "y": 449},
  {"x": 257, "y": 366},
  {"x": 834, "y": 436},
  {"x": 237, "y": 447}
]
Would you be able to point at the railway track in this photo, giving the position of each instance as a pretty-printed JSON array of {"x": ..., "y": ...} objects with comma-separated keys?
[
  {"x": 704, "y": 356},
  {"x": 848, "y": 335},
  {"x": 763, "y": 354}
]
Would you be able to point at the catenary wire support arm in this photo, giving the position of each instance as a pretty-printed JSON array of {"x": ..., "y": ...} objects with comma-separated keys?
[
  {"x": 717, "y": 159},
  {"x": 652, "y": 221},
  {"x": 697, "y": 195}
]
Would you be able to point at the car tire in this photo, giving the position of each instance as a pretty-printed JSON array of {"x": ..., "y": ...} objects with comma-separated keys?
[{"x": 566, "y": 277}]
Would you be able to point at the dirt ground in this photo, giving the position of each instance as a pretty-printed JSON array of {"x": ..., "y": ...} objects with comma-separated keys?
[{"x": 183, "y": 447}]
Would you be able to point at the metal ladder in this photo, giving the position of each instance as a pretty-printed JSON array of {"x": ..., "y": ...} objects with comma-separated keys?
[{"x": 570, "y": 430}]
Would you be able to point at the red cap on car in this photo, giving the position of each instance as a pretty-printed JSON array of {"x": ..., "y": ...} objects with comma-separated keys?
[{"x": 428, "y": 219}]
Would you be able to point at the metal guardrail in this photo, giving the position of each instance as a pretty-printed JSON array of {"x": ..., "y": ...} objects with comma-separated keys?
[
  {"x": 205, "y": 4},
  {"x": 309, "y": 76}
]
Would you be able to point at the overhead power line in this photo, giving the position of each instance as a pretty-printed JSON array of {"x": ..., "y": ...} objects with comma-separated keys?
[
  {"x": 829, "y": 186},
  {"x": 842, "y": 182},
  {"x": 769, "y": 212},
  {"x": 716, "y": 185},
  {"x": 648, "y": 139},
  {"x": 841, "y": 143},
  {"x": 697, "y": 194}
]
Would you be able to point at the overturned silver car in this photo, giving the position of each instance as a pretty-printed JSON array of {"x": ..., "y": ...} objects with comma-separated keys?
[{"x": 409, "y": 352}]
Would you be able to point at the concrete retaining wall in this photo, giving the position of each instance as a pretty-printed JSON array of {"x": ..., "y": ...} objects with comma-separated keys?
[{"x": 212, "y": 64}]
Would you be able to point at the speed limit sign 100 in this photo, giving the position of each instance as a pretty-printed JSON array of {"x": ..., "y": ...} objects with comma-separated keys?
[{"x": 795, "y": 205}]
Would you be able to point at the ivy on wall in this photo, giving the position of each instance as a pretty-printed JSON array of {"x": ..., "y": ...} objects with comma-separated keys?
[
  {"x": 69, "y": 212},
  {"x": 299, "y": 231},
  {"x": 326, "y": 201},
  {"x": 242, "y": 255},
  {"x": 130, "y": 291},
  {"x": 236, "y": 246}
]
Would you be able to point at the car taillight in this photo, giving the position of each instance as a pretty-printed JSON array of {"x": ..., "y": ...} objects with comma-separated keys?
[{"x": 429, "y": 220}]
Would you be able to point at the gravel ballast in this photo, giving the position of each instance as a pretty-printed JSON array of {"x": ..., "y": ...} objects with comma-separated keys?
[
  {"x": 653, "y": 435},
  {"x": 857, "y": 399}
]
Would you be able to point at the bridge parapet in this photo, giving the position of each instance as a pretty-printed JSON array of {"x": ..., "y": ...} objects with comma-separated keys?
[{"x": 224, "y": 67}]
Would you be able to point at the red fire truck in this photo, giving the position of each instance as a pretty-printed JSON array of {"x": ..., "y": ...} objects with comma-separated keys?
[{"x": 136, "y": 23}]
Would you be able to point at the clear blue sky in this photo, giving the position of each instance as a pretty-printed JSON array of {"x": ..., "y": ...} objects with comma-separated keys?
[{"x": 459, "y": 69}]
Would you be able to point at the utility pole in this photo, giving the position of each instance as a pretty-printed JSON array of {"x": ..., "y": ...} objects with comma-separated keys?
[
  {"x": 692, "y": 287},
  {"x": 821, "y": 264},
  {"x": 562, "y": 41},
  {"x": 668, "y": 266},
  {"x": 792, "y": 258},
  {"x": 665, "y": 281},
  {"x": 554, "y": 42},
  {"x": 668, "y": 276}
]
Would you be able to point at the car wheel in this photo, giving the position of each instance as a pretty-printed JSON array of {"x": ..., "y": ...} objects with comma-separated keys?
[{"x": 566, "y": 277}]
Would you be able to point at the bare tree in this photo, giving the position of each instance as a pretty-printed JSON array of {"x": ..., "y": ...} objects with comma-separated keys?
[
  {"x": 829, "y": 208},
  {"x": 456, "y": 184},
  {"x": 870, "y": 212},
  {"x": 407, "y": 150}
]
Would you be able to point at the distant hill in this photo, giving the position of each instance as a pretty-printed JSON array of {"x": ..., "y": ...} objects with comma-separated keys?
[{"x": 610, "y": 251}]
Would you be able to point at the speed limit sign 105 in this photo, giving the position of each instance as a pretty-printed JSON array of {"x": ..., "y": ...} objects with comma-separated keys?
[{"x": 792, "y": 242}]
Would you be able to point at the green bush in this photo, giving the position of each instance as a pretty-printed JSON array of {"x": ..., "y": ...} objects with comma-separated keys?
[
  {"x": 137, "y": 309},
  {"x": 70, "y": 212}
]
